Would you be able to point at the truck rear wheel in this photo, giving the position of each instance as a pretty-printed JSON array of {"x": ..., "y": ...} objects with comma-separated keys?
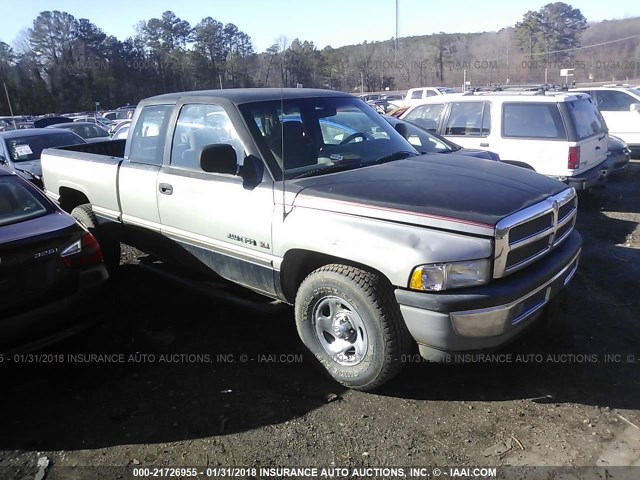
[
  {"x": 351, "y": 323},
  {"x": 110, "y": 247}
]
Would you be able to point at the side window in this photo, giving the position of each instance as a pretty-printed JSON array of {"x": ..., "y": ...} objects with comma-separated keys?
[
  {"x": 610, "y": 101},
  {"x": 532, "y": 120},
  {"x": 416, "y": 94},
  {"x": 200, "y": 125},
  {"x": 469, "y": 119},
  {"x": 147, "y": 142},
  {"x": 425, "y": 116},
  {"x": 431, "y": 93}
]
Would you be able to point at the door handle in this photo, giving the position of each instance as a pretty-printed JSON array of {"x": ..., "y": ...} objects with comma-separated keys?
[
  {"x": 484, "y": 144},
  {"x": 166, "y": 188}
]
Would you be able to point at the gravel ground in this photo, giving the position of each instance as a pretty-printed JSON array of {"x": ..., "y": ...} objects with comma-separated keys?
[{"x": 187, "y": 380}]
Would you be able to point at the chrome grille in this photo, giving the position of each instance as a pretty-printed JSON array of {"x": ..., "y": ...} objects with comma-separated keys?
[{"x": 529, "y": 234}]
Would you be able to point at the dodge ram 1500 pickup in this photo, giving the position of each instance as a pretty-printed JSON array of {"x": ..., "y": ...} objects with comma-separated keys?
[{"x": 311, "y": 198}]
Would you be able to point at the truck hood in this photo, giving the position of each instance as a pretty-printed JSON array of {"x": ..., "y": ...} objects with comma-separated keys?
[{"x": 452, "y": 187}]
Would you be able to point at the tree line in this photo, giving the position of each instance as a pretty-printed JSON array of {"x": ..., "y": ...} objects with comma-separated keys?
[{"x": 64, "y": 64}]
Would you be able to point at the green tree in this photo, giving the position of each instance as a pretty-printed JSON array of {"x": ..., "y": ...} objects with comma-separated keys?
[
  {"x": 553, "y": 30},
  {"x": 529, "y": 33}
]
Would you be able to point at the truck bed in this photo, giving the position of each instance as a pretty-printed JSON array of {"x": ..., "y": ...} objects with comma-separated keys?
[
  {"x": 111, "y": 148},
  {"x": 90, "y": 167}
]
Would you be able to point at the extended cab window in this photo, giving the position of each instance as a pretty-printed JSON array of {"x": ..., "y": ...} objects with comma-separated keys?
[
  {"x": 416, "y": 94},
  {"x": 200, "y": 125},
  {"x": 147, "y": 142},
  {"x": 469, "y": 119},
  {"x": 532, "y": 120}
]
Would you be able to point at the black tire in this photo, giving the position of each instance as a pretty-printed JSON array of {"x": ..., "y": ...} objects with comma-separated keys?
[
  {"x": 361, "y": 310},
  {"x": 110, "y": 247}
]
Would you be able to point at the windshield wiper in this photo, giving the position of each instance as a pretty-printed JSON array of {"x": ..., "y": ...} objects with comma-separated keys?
[
  {"x": 394, "y": 156},
  {"x": 336, "y": 167}
]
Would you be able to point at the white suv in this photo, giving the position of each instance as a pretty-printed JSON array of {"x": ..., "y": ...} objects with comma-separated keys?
[
  {"x": 620, "y": 107},
  {"x": 558, "y": 134}
]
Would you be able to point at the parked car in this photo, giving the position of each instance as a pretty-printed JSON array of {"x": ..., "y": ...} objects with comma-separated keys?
[
  {"x": 90, "y": 132},
  {"x": 384, "y": 105},
  {"x": 51, "y": 268},
  {"x": 119, "y": 114},
  {"x": 620, "y": 155},
  {"x": 415, "y": 96},
  {"x": 121, "y": 130},
  {"x": 397, "y": 113},
  {"x": 20, "y": 149},
  {"x": 558, "y": 134},
  {"x": 427, "y": 142},
  {"x": 49, "y": 121},
  {"x": 620, "y": 107},
  {"x": 103, "y": 123}
]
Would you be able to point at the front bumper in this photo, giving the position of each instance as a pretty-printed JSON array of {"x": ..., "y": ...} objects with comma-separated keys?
[{"x": 487, "y": 317}]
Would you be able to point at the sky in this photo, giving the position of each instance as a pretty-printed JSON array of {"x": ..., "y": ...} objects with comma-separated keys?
[{"x": 325, "y": 22}]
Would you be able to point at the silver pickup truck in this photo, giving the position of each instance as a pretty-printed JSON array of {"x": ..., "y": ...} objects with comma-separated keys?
[{"x": 311, "y": 198}]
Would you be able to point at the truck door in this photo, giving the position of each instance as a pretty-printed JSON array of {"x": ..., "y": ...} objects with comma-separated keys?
[
  {"x": 138, "y": 173},
  {"x": 217, "y": 219}
]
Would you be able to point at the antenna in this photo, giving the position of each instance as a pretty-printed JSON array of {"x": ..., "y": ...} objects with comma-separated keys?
[
  {"x": 284, "y": 210},
  {"x": 10, "y": 108}
]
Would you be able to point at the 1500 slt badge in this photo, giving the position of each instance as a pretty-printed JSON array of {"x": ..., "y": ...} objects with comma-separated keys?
[{"x": 250, "y": 241}]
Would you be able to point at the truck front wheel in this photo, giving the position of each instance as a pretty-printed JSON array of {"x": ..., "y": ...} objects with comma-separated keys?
[
  {"x": 349, "y": 320},
  {"x": 110, "y": 247}
]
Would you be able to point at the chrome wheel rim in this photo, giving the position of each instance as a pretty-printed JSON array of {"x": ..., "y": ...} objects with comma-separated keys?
[{"x": 340, "y": 331}]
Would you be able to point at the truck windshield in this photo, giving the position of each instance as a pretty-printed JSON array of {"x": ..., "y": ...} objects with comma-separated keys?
[{"x": 314, "y": 136}]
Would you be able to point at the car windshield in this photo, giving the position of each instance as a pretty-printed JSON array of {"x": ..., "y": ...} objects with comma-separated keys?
[
  {"x": 29, "y": 147},
  {"x": 314, "y": 136},
  {"x": 18, "y": 203}
]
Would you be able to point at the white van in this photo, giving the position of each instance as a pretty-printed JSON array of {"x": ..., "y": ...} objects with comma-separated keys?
[
  {"x": 558, "y": 134},
  {"x": 620, "y": 107}
]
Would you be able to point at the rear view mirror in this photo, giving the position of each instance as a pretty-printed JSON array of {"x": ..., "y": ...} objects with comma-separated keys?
[
  {"x": 634, "y": 107},
  {"x": 219, "y": 158}
]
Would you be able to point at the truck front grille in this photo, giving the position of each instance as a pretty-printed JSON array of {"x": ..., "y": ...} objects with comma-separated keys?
[{"x": 529, "y": 234}]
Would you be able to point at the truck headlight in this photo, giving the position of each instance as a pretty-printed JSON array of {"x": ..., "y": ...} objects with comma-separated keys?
[{"x": 443, "y": 276}]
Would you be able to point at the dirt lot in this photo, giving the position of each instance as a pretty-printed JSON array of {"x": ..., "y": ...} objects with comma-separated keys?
[{"x": 186, "y": 380}]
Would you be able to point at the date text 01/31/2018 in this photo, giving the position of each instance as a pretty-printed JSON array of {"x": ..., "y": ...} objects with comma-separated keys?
[{"x": 582, "y": 64}]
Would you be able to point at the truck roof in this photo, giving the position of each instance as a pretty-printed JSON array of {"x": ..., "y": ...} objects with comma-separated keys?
[{"x": 248, "y": 95}]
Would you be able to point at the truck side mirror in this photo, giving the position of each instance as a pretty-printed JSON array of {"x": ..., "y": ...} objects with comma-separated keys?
[
  {"x": 219, "y": 158},
  {"x": 634, "y": 107}
]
